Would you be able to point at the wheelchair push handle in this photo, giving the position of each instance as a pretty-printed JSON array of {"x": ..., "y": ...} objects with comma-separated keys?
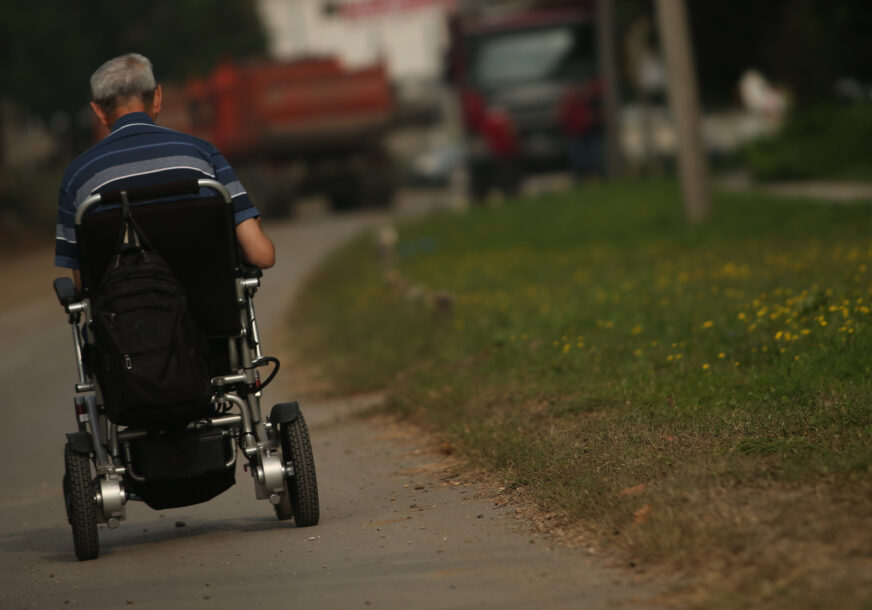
[{"x": 146, "y": 193}]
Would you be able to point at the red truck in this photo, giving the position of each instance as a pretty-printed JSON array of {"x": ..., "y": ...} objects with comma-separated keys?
[
  {"x": 293, "y": 128},
  {"x": 528, "y": 84}
]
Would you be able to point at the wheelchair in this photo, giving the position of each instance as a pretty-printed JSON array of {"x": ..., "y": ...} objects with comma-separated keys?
[{"x": 190, "y": 224}]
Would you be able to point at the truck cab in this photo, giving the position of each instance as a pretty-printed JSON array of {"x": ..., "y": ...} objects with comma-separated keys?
[{"x": 528, "y": 86}]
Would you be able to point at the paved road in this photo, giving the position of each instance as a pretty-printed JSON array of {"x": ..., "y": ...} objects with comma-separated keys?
[{"x": 394, "y": 533}]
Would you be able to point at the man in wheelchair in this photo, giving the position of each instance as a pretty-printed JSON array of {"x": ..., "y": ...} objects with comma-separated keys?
[
  {"x": 138, "y": 152},
  {"x": 166, "y": 250}
]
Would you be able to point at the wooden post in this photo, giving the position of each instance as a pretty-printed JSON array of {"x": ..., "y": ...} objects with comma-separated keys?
[{"x": 684, "y": 103}]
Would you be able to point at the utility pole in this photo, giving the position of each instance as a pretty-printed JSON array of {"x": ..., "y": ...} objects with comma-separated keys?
[
  {"x": 684, "y": 103},
  {"x": 611, "y": 97}
]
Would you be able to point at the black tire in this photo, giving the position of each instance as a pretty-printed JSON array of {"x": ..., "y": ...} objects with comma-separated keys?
[
  {"x": 81, "y": 507},
  {"x": 480, "y": 181},
  {"x": 302, "y": 488}
]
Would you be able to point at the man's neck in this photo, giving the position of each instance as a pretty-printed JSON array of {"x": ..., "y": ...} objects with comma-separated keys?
[{"x": 123, "y": 110}]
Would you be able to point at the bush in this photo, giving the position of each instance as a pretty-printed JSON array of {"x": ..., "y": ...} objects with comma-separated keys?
[{"x": 828, "y": 142}]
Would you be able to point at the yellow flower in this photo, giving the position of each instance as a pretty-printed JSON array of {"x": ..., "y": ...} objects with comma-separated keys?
[
  {"x": 566, "y": 348},
  {"x": 722, "y": 355},
  {"x": 706, "y": 366},
  {"x": 708, "y": 324}
]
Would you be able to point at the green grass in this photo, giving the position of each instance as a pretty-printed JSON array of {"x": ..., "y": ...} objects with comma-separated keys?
[{"x": 598, "y": 343}]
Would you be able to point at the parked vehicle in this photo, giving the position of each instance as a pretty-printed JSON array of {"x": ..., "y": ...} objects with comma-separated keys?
[{"x": 528, "y": 84}]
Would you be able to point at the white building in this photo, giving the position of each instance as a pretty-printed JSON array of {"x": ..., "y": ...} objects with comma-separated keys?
[{"x": 409, "y": 35}]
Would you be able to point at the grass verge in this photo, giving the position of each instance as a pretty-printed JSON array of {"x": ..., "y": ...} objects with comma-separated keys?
[{"x": 696, "y": 396}]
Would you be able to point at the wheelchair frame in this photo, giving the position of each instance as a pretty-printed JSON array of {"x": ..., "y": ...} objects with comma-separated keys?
[{"x": 277, "y": 447}]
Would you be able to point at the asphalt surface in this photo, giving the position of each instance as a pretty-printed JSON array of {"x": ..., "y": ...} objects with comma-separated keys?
[{"x": 397, "y": 531}]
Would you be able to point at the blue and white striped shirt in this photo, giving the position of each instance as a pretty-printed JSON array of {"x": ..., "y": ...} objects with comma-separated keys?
[{"x": 139, "y": 153}]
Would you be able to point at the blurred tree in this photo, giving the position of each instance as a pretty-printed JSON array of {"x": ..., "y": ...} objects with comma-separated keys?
[
  {"x": 48, "y": 49},
  {"x": 803, "y": 44}
]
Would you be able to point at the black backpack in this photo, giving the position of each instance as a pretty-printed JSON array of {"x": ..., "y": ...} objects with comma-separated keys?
[{"x": 152, "y": 358}]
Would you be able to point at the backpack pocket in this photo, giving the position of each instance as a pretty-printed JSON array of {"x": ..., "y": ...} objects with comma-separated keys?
[{"x": 154, "y": 369}]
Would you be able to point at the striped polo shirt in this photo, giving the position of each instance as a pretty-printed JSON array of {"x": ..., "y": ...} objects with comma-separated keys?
[{"x": 137, "y": 153}]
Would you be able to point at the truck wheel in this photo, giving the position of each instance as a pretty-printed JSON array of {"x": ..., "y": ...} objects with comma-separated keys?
[
  {"x": 344, "y": 192},
  {"x": 508, "y": 177},
  {"x": 80, "y": 503},
  {"x": 302, "y": 488},
  {"x": 480, "y": 182}
]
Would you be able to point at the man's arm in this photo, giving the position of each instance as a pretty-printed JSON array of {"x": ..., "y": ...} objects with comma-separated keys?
[{"x": 257, "y": 248}]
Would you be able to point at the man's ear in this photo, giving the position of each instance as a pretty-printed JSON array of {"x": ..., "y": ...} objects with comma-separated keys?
[
  {"x": 101, "y": 115},
  {"x": 158, "y": 100}
]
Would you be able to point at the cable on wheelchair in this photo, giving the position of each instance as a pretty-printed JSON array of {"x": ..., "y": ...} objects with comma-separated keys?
[
  {"x": 266, "y": 360},
  {"x": 222, "y": 408}
]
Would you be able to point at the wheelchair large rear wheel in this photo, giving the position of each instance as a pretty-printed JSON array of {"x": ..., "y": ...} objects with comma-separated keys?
[
  {"x": 301, "y": 495},
  {"x": 81, "y": 508}
]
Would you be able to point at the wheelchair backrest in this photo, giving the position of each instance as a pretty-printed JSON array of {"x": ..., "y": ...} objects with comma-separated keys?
[{"x": 195, "y": 236}]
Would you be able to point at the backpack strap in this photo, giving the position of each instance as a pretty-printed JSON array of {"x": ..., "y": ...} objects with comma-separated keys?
[{"x": 131, "y": 237}]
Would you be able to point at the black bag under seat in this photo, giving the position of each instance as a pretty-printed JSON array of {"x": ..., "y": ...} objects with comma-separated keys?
[
  {"x": 180, "y": 468},
  {"x": 152, "y": 359}
]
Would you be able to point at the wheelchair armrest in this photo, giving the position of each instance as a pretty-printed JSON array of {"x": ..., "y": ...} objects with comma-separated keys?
[
  {"x": 250, "y": 271},
  {"x": 66, "y": 291}
]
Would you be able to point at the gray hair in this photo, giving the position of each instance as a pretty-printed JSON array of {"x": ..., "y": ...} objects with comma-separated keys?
[{"x": 121, "y": 78}]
